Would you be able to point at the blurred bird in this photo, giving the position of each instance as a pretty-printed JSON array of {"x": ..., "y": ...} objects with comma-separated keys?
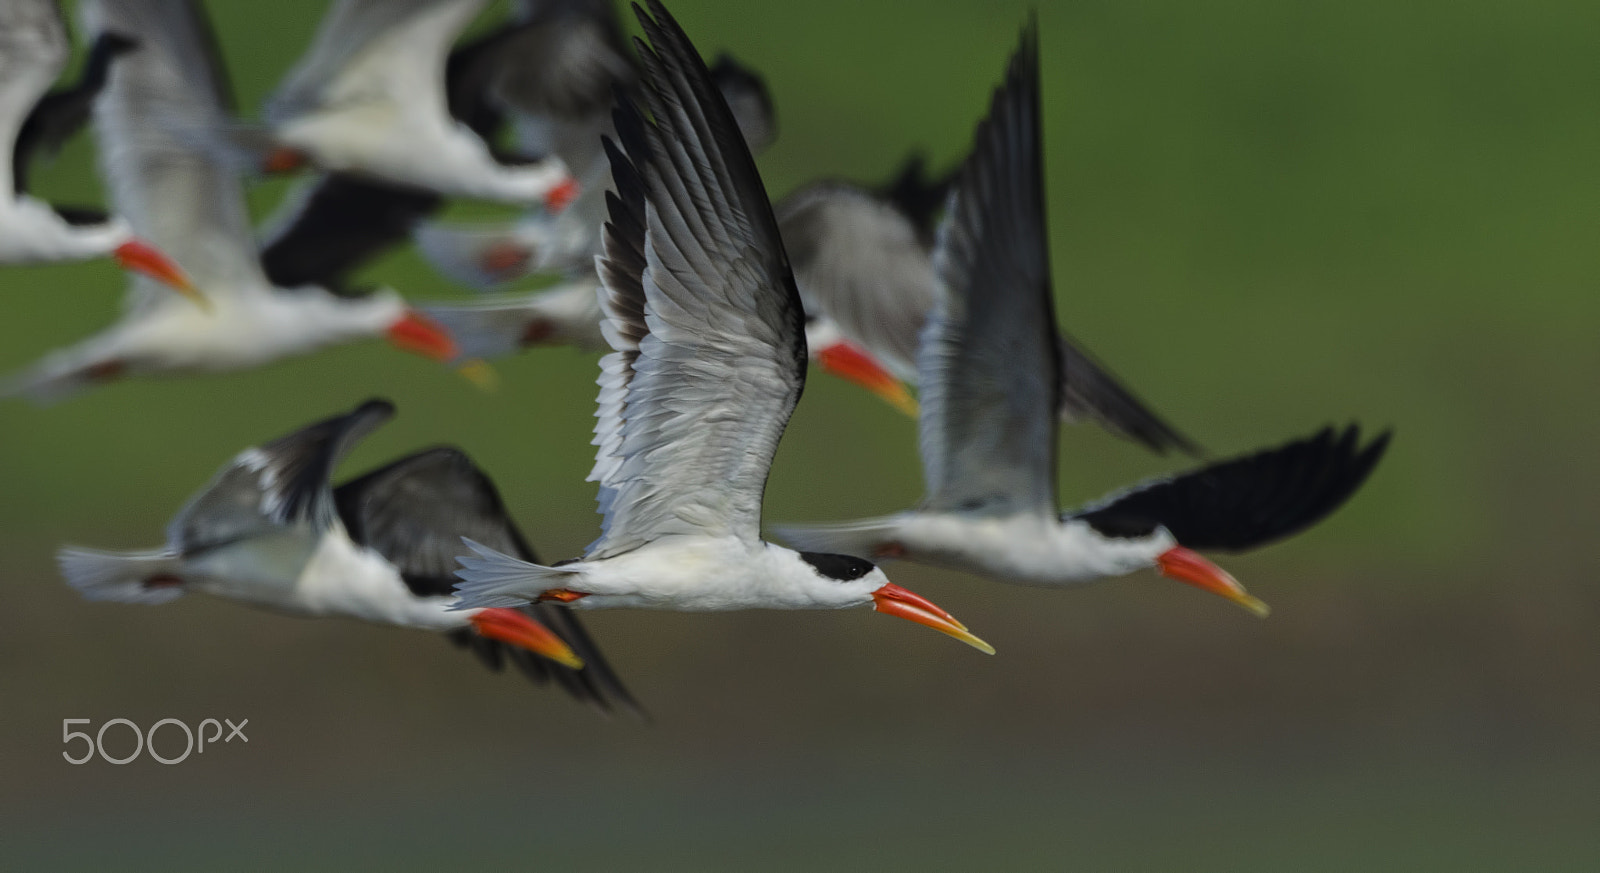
[
  {"x": 990, "y": 368},
  {"x": 569, "y": 54},
  {"x": 486, "y": 256},
  {"x": 864, "y": 263},
  {"x": 567, "y": 313},
  {"x": 174, "y": 192},
  {"x": 368, "y": 98},
  {"x": 709, "y": 361},
  {"x": 33, "y": 52},
  {"x": 270, "y": 531},
  {"x": 547, "y": 110}
]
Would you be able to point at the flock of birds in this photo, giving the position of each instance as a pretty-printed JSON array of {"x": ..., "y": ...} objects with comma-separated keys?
[{"x": 634, "y": 164}]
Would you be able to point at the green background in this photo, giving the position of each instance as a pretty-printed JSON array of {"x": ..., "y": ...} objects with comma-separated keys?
[{"x": 1265, "y": 217}]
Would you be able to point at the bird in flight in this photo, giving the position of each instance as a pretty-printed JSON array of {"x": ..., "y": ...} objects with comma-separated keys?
[{"x": 708, "y": 361}]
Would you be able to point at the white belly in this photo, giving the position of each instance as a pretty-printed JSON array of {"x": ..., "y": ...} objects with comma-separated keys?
[{"x": 1025, "y": 549}]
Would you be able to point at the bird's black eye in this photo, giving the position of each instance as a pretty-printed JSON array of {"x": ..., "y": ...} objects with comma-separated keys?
[{"x": 840, "y": 568}]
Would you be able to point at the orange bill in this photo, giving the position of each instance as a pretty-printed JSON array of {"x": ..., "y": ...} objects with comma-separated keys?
[
  {"x": 421, "y": 335},
  {"x": 1186, "y": 565},
  {"x": 141, "y": 257},
  {"x": 891, "y": 599},
  {"x": 562, "y": 195},
  {"x": 848, "y": 362},
  {"x": 516, "y": 628}
]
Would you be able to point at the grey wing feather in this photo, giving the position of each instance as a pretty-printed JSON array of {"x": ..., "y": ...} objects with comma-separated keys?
[
  {"x": 988, "y": 362},
  {"x": 701, "y": 310},
  {"x": 279, "y": 483},
  {"x": 153, "y": 122},
  {"x": 565, "y": 59},
  {"x": 858, "y": 261}
]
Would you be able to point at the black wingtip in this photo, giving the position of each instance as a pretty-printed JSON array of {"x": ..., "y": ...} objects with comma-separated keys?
[{"x": 1249, "y": 501}]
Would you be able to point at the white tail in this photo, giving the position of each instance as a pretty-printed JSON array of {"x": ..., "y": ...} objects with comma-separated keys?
[
  {"x": 59, "y": 375},
  {"x": 125, "y": 577},
  {"x": 493, "y": 579}
]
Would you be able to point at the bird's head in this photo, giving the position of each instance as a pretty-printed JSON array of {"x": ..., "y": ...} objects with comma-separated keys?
[
  {"x": 836, "y": 355},
  {"x": 415, "y": 332},
  {"x": 861, "y": 581},
  {"x": 1109, "y": 550}
]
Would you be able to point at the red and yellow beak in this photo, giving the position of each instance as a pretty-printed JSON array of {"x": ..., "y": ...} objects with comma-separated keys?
[
  {"x": 141, "y": 257},
  {"x": 1186, "y": 565},
  {"x": 562, "y": 195},
  {"x": 421, "y": 335},
  {"x": 891, "y": 599},
  {"x": 848, "y": 362},
  {"x": 515, "y": 628}
]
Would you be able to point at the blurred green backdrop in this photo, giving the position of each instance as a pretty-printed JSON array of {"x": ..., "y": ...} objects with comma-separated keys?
[{"x": 1265, "y": 216}]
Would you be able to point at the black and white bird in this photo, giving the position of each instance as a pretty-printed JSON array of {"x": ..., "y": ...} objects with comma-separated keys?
[
  {"x": 176, "y": 194},
  {"x": 709, "y": 362},
  {"x": 368, "y": 98},
  {"x": 864, "y": 262},
  {"x": 33, "y": 52},
  {"x": 271, "y": 531},
  {"x": 570, "y": 55},
  {"x": 567, "y": 313},
  {"x": 486, "y": 256},
  {"x": 990, "y": 372},
  {"x": 563, "y": 104}
]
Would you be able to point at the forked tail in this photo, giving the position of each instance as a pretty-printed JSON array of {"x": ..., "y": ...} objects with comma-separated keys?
[
  {"x": 59, "y": 375},
  {"x": 492, "y": 579},
  {"x": 125, "y": 577}
]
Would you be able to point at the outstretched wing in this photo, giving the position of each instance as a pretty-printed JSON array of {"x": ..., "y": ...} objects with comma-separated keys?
[
  {"x": 152, "y": 123},
  {"x": 1090, "y": 391},
  {"x": 337, "y": 224},
  {"x": 33, "y": 51},
  {"x": 988, "y": 362},
  {"x": 564, "y": 58},
  {"x": 64, "y": 111},
  {"x": 415, "y": 512},
  {"x": 374, "y": 50},
  {"x": 1247, "y": 501},
  {"x": 283, "y": 482},
  {"x": 700, "y": 308}
]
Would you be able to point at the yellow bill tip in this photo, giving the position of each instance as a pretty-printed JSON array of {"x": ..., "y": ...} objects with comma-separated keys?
[{"x": 481, "y": 374}]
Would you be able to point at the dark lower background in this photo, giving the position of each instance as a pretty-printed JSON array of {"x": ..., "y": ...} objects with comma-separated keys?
[{"x": 1265, "y": 217}]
